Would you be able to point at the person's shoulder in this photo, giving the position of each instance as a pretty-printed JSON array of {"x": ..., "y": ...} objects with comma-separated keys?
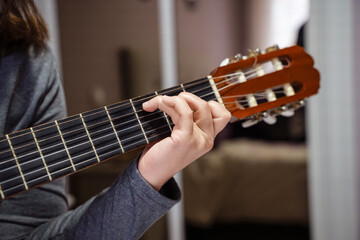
[
  {"x": 44, "y": 55},
  {"x": 35, "y": 71},
  {"x": 28, "y": 59}
]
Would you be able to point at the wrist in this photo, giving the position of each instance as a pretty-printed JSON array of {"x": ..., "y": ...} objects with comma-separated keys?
[{"x": 153, "y": 174}]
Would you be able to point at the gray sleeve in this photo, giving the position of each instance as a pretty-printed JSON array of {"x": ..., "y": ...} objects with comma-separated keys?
[
  {"x": 33, "y": 95},
  {"x": 125, "y": 211}
]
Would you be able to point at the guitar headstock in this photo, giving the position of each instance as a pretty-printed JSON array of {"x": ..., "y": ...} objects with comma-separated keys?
[{"x": 262, "y": 85}]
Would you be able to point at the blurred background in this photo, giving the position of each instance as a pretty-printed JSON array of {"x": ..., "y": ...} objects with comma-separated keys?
[{"x": 297, "y": 179}]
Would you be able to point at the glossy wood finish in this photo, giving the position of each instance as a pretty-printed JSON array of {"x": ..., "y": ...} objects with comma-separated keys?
[{"x": 300, "y": 69}]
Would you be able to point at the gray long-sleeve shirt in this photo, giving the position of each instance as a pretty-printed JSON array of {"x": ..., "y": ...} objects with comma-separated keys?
[{"x": 31, "y": 94}]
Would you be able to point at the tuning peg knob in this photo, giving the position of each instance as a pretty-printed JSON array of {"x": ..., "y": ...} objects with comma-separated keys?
[
  {"x": 225, "y": 62},
  {"x": 298, "y": 104},
  {"x": 237, "y": 57},
  {"x": 233, "y": 59},
  {"x": 255, "y": 52},
  {"x": 272, "y": 48},
  {"x": 249, "y": 123},
  {"x": 252, "y": 120},
  {"x": 287, "y": 112},
  {"x": 270, "y": 119}
]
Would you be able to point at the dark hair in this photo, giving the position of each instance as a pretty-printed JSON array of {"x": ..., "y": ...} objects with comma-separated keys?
[{"x": 21, "y": 26}]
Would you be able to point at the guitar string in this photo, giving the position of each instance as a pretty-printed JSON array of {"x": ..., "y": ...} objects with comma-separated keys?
[
  {"x": 234, "y": 74},
  {"x": 116, "y": 118},
  {"x": 77, "y": 164},
  {"x": 69, "y": 167},
  {"x": 99, "y": 131},
  {"x": 82, "y": 129},
  {"x": 76, "y": 146},
  {"x": 259, "y": 97},
  {"x": 234, "y": 108},
  {"x": 89, "y": 127},
  {"x": 25, "y": 163},
  {"x": 20, "y": 156},
  {"x": 224, "y": 97},
  {"x": 81, "y": 162},
  {"x": 84, "y": 136},
  {"x": 114, "y": 143},
  {"x": 125, "y": 103}
]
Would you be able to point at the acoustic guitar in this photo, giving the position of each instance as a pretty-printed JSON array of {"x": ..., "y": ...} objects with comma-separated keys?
[{"x": 253, "y": 88}]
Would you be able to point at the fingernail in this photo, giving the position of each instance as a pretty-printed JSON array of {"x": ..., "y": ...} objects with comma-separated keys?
[{"x": 145, "y": 104}]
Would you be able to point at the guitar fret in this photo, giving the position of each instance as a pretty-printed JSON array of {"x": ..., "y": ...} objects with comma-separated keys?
[
  {"x": 17, "y": 162},
  {"x": 201, "y": 88},
  {"x": 88, "y": 134},
  {"x": 142, "y": 129},
  {"x": 2, "y": 193},
  {"x": 66, "y": 149},
  {"x": 215, "y": 90},
  {"x": 113, "y": 127},
  {"x": 41, "y": 155},
  {"x": 182, "y": 87},
  {"x": 166, "y": 116}
]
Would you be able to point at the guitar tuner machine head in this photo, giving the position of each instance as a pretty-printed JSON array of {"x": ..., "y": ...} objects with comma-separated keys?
[
  {"x": 270, "y": 115},
  {"x": 265, "y": 84},
  {"x": 275, "y": 47},
  {"x": 255, "y": 52},
  {"x": 230, "y": 60}
]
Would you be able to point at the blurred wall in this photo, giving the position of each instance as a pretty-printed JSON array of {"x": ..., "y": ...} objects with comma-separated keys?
[
  {"x": 333, "y": 119},
  {"x": 93, "y": 33},
  {"x": 208, "y": 32},
  {"x": 274, "y": 21}
]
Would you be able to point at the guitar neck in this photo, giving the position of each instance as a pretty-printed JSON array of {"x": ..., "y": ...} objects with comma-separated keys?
[
  {"x": 34, "y": 156},
  {"x": 280, "y": 80}
]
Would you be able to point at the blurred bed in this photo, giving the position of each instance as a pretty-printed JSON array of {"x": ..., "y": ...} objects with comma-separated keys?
[{"x": 246, "y": 180}]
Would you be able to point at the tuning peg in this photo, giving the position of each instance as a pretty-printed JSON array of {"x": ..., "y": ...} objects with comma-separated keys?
[
  {"x": 237, "y": 57},
  {"x": 225, "y": 62},
  {"x": 254, "y": 52},
  {"x": 252, "y": 120},
  {"x": 272, "y": 48},
  {"x": 286, "y": 111},
  {"x": 234, "y": 119},
  {"x": 298, "y": 104},
  {"x": 233, "y": 59},
  {"x": 257, "y": 51},
  {"x": 249, "y": 123},
  {"x": 269, "y": 118}
]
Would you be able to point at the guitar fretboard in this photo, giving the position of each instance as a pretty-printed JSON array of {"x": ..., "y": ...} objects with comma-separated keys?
[{"x": 34, "y": 156}]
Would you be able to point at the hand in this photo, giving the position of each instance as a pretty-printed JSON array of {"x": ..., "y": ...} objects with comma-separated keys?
[{"x": 196, "y": 124}]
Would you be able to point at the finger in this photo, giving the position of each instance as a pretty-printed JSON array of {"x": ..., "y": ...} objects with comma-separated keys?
[
  {"x": 221, "y": 116},
  {"x": 202, "y": 113},
  {"x": 176, "y": 107},
  {"x": 181, "y": 111},
  {"x": 156, "y": 103}
]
